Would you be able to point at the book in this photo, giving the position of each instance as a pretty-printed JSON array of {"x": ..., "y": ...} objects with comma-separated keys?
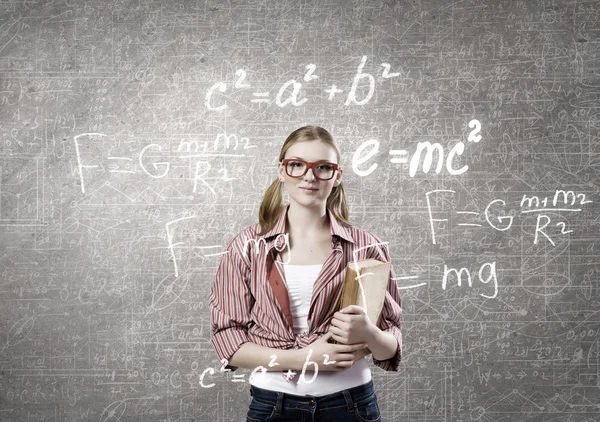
[{"x": 374, "y": 278}]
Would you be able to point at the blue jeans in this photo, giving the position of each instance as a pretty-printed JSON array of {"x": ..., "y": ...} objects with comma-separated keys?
[{"x": 354, "y": 404}]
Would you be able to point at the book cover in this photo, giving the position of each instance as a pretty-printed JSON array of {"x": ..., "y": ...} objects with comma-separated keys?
[{"x": 365, "y": 285}]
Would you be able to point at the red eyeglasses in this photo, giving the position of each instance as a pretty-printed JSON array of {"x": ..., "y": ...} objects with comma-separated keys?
[{"x": 297, "y": 168}]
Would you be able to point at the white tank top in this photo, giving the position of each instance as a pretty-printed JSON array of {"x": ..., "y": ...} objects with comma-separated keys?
[{"x": 299, "y": 281}]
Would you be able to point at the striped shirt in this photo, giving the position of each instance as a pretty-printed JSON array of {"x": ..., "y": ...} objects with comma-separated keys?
[{"x": 243, "y": 306}]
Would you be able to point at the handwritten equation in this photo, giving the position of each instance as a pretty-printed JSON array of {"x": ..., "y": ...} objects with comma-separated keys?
[
  {"x": 290, "y": 92},
  {"x": 198, "y": 156},
  {"x": 499, "y": 218}
]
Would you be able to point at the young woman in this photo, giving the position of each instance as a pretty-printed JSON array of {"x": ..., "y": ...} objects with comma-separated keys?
[{"x": 274, "y": 301}]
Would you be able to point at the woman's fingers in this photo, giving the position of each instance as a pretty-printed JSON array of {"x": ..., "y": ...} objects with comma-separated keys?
[
  {"x": 336, "y": 331},
  {"x": 347, "y": 352},
  {"x": 327, "y": 335},
  {"x": 355, "y": 347},
  {"x": 339, "y": 339},
  {"x": 345, "y": 348},
  {"x": 339, "y": 323},
  {"x": 346, "y": 364},
  {"x": 346, "y": 357}
]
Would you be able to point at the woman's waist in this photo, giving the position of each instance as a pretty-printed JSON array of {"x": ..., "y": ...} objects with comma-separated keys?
[{"x": 314, "y": 382}]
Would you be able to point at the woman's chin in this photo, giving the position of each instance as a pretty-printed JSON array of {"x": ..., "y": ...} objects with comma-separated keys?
[{"x": 310, "y": 201}]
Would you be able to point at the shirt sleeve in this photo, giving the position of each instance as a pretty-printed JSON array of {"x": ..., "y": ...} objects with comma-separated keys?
[
  {"x": 230, "y": 304},
  {"x": 390, "y": 315}
]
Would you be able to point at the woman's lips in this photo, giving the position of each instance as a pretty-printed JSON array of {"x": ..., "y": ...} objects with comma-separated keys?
[{"x": 309, "y": 190}]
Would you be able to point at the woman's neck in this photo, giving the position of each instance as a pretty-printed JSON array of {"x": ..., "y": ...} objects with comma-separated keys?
[{"x": 305, "y": 223}]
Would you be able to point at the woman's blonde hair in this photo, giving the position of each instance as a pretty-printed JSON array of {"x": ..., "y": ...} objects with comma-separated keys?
[{"x": 272, "y": 204}]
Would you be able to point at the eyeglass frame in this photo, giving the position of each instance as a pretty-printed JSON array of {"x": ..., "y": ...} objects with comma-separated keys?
[{"x": 310, "y": 165}]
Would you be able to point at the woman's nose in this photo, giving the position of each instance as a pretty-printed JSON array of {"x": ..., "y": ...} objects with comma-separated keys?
[{"x": 312, "y": 174}]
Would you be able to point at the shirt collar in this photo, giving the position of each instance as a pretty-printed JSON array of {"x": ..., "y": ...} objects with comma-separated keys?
[{"x": 337, "y": 228}]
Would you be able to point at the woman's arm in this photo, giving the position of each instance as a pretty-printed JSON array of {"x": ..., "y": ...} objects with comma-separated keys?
[
  {"x": 230, "y": 313},
  {"x": 351, "y": 324},
  {"x": 251, "y": 355},
  {"x": 325, "y": 355},
  {"x": 390, "y": 315},
  {"x": 383, "y": 345}
]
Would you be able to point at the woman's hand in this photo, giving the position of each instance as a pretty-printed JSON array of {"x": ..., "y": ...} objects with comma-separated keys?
[
  {"x": 330, "y": 356},
  {"x": 352, "y": 325}
]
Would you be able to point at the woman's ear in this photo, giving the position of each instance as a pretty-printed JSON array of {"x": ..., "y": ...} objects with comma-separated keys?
[{"x": 339, "y": 177}]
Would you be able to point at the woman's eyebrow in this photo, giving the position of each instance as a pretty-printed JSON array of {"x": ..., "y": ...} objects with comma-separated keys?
[{"x": 300, "y": 158}]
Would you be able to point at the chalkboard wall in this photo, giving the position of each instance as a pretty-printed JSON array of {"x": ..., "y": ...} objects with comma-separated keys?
[{"x": 138, "y": 137}]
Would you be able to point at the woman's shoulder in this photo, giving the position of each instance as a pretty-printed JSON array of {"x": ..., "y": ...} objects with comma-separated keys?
[
  {"x": 362, "y": 236},
  {"x": 250, "y": 231},
  {"x": 368, "y": 245},
  {"x": 244, "y": 241}
]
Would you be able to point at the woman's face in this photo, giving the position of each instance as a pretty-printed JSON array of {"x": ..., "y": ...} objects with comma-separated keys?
[{"x": 320, "y": 189}]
